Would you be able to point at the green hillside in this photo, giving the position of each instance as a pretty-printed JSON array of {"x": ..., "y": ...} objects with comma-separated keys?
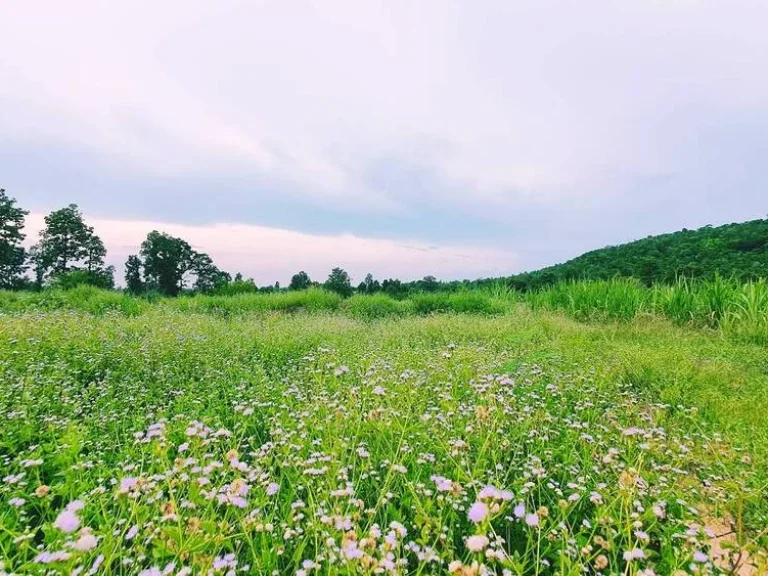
[{"x": 733, "y": 250}]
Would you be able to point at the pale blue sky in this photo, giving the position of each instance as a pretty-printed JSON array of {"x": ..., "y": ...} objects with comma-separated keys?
[{"x": 454, "y": 138}]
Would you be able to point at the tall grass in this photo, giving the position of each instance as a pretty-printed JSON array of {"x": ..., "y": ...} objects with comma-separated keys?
[
  {"x": 312, "y": 300},
  {"x": 620, "y": 298},
  {"x": 371, "y": 306},
  {"x": 464, "y": 301},
  {"x": 83, "y": 298},
  {"x": 737, "y": 308}
]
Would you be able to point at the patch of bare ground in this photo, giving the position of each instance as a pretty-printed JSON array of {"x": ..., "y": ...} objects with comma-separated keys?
[{"x": 731, "y": 556}]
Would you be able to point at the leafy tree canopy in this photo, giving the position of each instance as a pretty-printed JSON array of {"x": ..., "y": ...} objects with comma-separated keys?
[
  {"x": 68, "y": 244},
  {"x": 339, "y": 282},
  {"x": 133, "y": 281},
  {"x": 166, "y": 260},
  {"x": 168, "y": 263},
  {"x": 12, "y": 256},
  {"x": 300, "y": 281},
  {"x": 369, "y": 285}
]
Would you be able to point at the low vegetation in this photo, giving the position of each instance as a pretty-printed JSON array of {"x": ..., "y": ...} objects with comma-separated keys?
[
  {"x": 730, "y": 307},
  {"x": 738, "y": 309},
  {"x": 181, "y": 441}
]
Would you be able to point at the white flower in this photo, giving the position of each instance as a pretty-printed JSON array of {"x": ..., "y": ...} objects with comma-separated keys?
[
  {"x": 700, "y": 557},
  {"x": 127, "y": 484},
  {"x": 477, "y": 512},
  {"x": 489, "y": 492},
  {"x": 519, "y": 510},
  {"x": 634, "y": 554},
  {"x": 17, "y": 502},
  {"x": 442, "y": 484},
  {"x": 86, "y": 541},
  {"x": 477, "y": 543},
  {"x": 68, "y": 521},
  {"x": 49, "y": 557},
  {"x": 96, "y": 564},
  {"x": 379, "y": 391}
]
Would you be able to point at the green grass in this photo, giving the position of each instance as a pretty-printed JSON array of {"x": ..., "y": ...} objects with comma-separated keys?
[
  {"x": 737, "y": 309},
  {"x": 357, "y": 435},
  {"x": 81, "y": 298},
  {"x": 95, "y": 301},
  {"x": 376, "y": 306},
  {"x": 313, "y": 300}
]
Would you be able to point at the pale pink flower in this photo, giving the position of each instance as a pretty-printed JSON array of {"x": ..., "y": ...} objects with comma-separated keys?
[
  {"x": 477, "y": 543},
  {"x": 477, "y": 512}
]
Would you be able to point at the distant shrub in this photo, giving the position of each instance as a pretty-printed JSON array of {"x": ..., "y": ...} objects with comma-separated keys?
[
  {"x": 376, "y": 306},
  {"x": 312, "y": 300},
  {"x": 237, "y": 287},
  {"x": 75, "y": 278},
  {"x": 461, "y": 302}
]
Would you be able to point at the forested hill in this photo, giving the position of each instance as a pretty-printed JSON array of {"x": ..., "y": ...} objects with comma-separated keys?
[{"x": 739, "y": 250}]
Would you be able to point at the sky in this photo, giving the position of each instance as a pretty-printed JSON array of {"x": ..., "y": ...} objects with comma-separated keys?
[{"x": 458, "y": 139}]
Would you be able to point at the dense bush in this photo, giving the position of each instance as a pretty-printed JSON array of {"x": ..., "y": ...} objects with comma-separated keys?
[{"x": 376, "y": 306}]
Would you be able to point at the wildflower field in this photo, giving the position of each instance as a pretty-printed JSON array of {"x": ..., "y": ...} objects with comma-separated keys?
[{"x": 175, "y": 441}]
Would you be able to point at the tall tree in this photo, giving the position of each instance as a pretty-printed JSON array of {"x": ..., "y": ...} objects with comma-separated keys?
[
  {"x": 133, "y": 281},
  {"x": 67, "y": 243},
  {"x": 12, "y": 256},
  {"x": 207, "y": 276},
  {"x": 37, "y": 266},
  {"x": 94, "y": 259},
  {"x": 339, "y": 282},
  {"x": 166, "y": 261},
  {"x": 300, "y": 281},
  {"x": 369, "y": 285}
]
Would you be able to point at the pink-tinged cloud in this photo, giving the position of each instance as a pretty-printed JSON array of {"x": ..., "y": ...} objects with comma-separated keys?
[{"x": 273, "y": 254}]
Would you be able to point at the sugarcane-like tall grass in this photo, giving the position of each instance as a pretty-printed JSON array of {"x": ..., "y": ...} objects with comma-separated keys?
[{"x": 737, "y": 308}]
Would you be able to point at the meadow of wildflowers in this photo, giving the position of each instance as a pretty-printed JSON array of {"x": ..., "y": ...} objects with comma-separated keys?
[{"x": 175, "y": 443}]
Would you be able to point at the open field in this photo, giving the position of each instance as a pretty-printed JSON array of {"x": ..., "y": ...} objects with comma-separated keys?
[{"x": 173, "y": 441}]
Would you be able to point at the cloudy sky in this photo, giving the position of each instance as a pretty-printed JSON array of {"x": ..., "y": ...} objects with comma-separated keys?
[{"x": 459, "y": 139}]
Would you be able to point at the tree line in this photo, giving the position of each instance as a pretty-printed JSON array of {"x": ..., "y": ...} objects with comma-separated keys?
[{"x": 69, "y": 253}]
